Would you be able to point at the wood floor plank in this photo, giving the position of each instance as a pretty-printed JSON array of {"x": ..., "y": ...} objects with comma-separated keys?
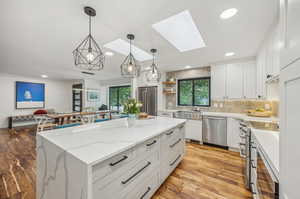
[{"x": 205, "y": 172}]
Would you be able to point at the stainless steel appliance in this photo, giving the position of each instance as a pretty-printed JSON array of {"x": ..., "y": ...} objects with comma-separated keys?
[
  {"x": 264, "y": 183},
  {"x": 148, "y": 97},
  {"x": 245, "y": 152},
  {"x": 214, "y": 131}
]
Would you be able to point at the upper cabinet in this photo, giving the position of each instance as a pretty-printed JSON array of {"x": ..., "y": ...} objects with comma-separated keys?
[
  {"x": 234, "y": 86},
  {"x": 249, "y": 80},
  {"x": 268, "y": 57},
  {"x": 234, "y": 81},
  {"x": 290, "y": 31},
  {"x": 218, "y": 82}
]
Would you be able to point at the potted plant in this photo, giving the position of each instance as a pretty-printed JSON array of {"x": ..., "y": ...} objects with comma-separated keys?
[{"x": 132, "y": 108}]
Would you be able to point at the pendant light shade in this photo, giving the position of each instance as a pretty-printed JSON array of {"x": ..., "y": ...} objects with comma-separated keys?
[
  {"x": 153, "y": 75},
  {"x": 130, "y": 67},
  {"x": 88, "y": 55}
]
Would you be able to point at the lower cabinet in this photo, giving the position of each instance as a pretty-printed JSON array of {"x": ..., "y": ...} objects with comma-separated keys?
[
  {"x": 233, "y": 133},
  {"x": 193, "y": 130},
  {"x": 138, "y": 172}
]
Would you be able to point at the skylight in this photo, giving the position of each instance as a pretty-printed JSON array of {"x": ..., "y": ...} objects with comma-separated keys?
[
  {"x": 181, "y": 31},
  {"x": 123, "y": 48}
]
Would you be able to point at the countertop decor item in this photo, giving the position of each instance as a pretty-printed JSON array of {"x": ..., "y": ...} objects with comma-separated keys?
[
  {"x": 132, "y": 108},
  {"x": 130, "y": 67},
  {"x": 153, "y": 75},
  {"x": 88, "y": 55}
]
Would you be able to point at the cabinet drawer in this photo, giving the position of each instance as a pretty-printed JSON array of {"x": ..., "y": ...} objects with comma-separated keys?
[
  {"x": 118, "y": 187},
  {"x": 119, "y": 164},
  {"x": 146, "y": 189},
  {"x": 170, "y": 162},
  {"x": 171, "y": 134}
]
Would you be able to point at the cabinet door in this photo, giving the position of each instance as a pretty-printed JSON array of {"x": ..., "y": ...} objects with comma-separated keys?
[
  {"x": 289, "y": 18},
  {"x": 218, "y": 82},
  {"x": 250, "y": 80},
  {"x": 289, "y": 131},
  {"x": 233, "y": 133},
  {"x": 193, "y": 130},
  {"x": 234, "y": 81},
  {"x": 261, "y": 75}
]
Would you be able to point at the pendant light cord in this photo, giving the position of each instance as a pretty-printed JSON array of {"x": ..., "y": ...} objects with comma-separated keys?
[{"x": 90, "y": 30}]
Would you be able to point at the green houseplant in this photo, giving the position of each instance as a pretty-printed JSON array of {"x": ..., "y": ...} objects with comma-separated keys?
[{"x": 132, "y": 108}]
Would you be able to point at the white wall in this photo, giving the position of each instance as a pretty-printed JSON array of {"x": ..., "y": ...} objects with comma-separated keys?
[{"x": 58, "y": 95}]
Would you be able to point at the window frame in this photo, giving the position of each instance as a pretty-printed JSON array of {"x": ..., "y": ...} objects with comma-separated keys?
[
  {"x": 193, "y": 91},
  {"x": 118, "y": 95}
]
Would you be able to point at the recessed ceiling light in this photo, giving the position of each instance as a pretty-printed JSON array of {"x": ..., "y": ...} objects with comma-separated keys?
[
  {"x": 187, "y": 67},
  {"x": 44, "y": 76},
  {"x": 180, "y": 30},
  {"x": 226, "y": 14},
  {"x": 123, "y": 48},
  {"x": 108, "y": 53},
  {"x": 229, "y": 54}
]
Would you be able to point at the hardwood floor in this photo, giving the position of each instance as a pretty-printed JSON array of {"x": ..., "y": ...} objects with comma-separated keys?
[{"x": 205, "y": 172}]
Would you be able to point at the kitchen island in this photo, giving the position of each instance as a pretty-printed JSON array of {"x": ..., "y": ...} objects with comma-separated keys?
[{"x": 108, "y": 160}]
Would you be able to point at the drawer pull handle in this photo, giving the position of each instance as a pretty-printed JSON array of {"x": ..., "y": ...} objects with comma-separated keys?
[
  {"x": 243, "y": 136},
  {"x": 175, "y": 160},
  {"x": 135, "y": 174},
  {"x": 252, "y": 164},
  {"x": 172, "y": 145},
  {"x": 148, "y": 190},
  {"x": 170, "y": 133},
  {"x": 154, "y": 141},
  {"x": 115, "y": 163},
  {"x": 253, "y": 188}
]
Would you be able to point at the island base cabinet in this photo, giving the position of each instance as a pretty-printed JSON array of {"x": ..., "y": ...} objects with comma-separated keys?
[
  {"x": 146, "y": 189},
  {"x": 135, "y": 172},
  {"x": 120, "y": 186}
]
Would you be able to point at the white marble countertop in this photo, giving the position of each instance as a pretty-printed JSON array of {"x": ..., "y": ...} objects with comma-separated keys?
[
  {"x": 241, "y": 116},
  {"x": 111, "y": 137},
  {"x": 269, "y": 142}
]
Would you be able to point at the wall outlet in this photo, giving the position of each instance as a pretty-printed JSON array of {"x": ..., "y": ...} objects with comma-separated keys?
[
  {"x": 221, "y": 105},
  {"x": 216, "y": 105}
]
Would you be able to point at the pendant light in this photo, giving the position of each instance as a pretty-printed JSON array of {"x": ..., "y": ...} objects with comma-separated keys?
[
  {"x": 88, "y": 55},
  {"x": 153, "y": 75},
  {"x": 130, "y": 67}
]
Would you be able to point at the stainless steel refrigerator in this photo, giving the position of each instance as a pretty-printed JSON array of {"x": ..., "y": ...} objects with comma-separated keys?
[{"x": 148, "y": 97}]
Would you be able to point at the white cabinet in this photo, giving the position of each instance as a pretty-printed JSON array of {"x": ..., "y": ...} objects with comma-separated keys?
[
  {"x": 290, "y": 31},
  {"x": 290, "y": 100},
  {"x": 234, "y": 81},
  {"x": 289, "y": 131},
  {"x": 261, "y": 74},
  {"x": 233, "y": 133},
  {"x": 234, "y": 86},
  {"x": 249, "y": 80},
  {"x": 268, "y": 58},
  {"x": 218, "y": 82},
  {"x": 193, "y": 130}
]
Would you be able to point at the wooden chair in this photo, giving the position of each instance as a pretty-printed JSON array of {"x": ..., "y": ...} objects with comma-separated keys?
[{"x": 44, "y": 123}]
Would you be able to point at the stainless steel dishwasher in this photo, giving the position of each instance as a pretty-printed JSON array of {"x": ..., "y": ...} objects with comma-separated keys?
[{"x": 214, "y": 130}]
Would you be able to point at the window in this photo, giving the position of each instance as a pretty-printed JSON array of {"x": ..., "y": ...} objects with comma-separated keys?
[
  {"x": 117, "y": 96},
  {"x": 194, "y": 92}
]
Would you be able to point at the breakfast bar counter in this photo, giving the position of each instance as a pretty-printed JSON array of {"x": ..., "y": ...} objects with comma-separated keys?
[{"x": 108, "y": 160}]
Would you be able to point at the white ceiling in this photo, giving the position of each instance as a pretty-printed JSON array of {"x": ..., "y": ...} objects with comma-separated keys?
[{"x": 38, "y": 37}]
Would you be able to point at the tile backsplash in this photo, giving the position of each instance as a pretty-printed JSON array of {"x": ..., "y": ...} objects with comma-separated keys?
[{"x": 235, "y": 106}]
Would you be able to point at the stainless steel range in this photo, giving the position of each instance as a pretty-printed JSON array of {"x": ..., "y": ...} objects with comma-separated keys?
[{"x": 245, "y": 153}]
